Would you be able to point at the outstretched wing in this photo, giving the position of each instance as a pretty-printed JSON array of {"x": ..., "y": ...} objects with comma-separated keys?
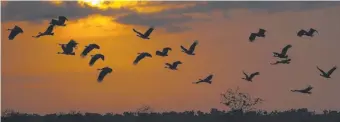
[
  {"x": 137, "y": 32},
  {"x": 332, "y": 70},
  {"x": 166, "y": 49},
  {"x": 252, "y": 37},
  {"x": 301, "y": 33},
  {"x": 208, "y": 78},
  {"x": 308, "y": 88},
  {"x": 138, "y": 58},
  {"x": 245, "y": 74},
  {"x": 49, "y": 29},
  {"x": 12, "y": 35},
  {"x": 101, "y": 76},
  {"x": 321, "y": 70},
  {"x": 169, "y": 65},
  {"x": 85, "y": 51},
  {"x": 261, "y": 31},
  {"x": 177, "y": 62},
  {"x": 252, "y": 75},
  {"x": 312, "y": 30},
  {"x": 184, "y": 49},
  {"x": 148, "y": 32},
  {"x": 147, "y": 54},
  {"x": 285, "y": 49},
  {"x": 192, "y": 47}
]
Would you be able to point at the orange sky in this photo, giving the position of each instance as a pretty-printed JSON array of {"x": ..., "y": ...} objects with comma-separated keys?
[{"x": 36, "y": 79}]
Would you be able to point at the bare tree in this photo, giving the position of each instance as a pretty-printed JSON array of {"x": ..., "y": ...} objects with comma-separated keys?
[{"x": 238, "y": 101}]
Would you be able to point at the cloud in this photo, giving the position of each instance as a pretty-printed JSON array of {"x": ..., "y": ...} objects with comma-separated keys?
[{"x": 38, "y": 11}]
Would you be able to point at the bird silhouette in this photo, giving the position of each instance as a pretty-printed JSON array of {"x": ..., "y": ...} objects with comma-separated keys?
[
  {"x": 141, "y": 56},
  {"x": 88, "y": 49},
  {"x": 164, "y": 52},
  {"x": 14, "y": 32},
  {"x": 206, "y": 80},
  {"x": 284, "y": 61},
  {"x": 328, "y": 74},
  {"x": 95, "y": 58},
  {"x": 145, "y": 35},
  {"x": 49, "y": 31},
  {"x": 260, "y": 33},
  {"x": 173, "y": 66},
  {"x": 60, "y": 22},
  {"x": 104, "y": 71},
  {"x": 304, "y": 91},
  {"x": 191, "y": 49},
  {"x": 283, "y": 53},
  {"x": 250, "y": 78},
  {"x": 68, "y": 48},
  {"x": 309, "y": 33}
]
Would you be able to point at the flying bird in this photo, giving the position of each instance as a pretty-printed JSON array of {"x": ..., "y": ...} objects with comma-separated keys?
[
  {"x": 283, "y": 53},
  {"x": 284, "y": 61},
  {"x": 141, "y": 56},
  {"x": 14, "y": 32},
  {"x": 104, "y": 71},
  {"x": 145, "y": 35},
  {"x": 260, "y": 33},
  {"x": 191, "y": 49},
  {"x": 68, "y": 48},
  {"x": 249, "y": 78},
  {"x": 206, "y": 80},
  {"x": 60, "y": 22},
  {"x": 164, "y": 52},
  {"x": 173, "y": 66},
  {"x": 49, "y": 31},
  {"x": 309, "y": 33},
  {"x": 95, "y": 58},
  {"x": 88, "y": 49},
  {"x": 328, "y": 74},
  {"x": 305, "y": 91}
]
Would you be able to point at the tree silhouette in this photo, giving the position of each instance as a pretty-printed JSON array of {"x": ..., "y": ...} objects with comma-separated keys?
[{"x": 238, "y": 101}]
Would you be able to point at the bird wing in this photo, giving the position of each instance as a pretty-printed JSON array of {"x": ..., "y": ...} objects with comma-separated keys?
[
  {"x": 208, "y": 78},
  {"x": 192, "y": 47},
  {"x": 166, "y": 49},
  {"x": 321, "y": 70},
  {"x": 308, "y": 88},
  {"x": 95, "y": 46},
  {"x": 168, "y": 64},
  {"x": 312, "y": 30},
  {"x": 12, "y": 35},
  {"x": 138, "y": 58},
  {"x": 93, "y": 60},
  {"x": 147, "y": 54},
  {"x": 148, "y": 32},
  {"x": 245, "y": 74},
  {"x": 261, "y": 31},
  {"x": 86, "y": 51},
  {"x": 139, "y": 33},
  {"x": 252, "y": 37},
  {"x": 49, "y": 29},
  {"x": 252, "y": 75},
  {"x": 285, "y": 49},
  {"x": 177, "y": 62},
  {"x": 101, "y": 76},
  {"x": 332, "y": 70},
  {"x": 184, "y": 49},
  {"x": 301, "y": 33}
]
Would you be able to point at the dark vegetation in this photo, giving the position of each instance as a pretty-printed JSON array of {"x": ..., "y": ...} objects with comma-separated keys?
[{"x": 242, "y": 109}]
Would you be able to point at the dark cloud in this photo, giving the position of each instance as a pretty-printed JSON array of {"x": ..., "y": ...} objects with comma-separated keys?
[{"x": 42, "y": 10}]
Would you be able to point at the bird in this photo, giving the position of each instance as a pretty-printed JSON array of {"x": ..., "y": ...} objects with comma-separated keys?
[
  {"x": 309, "y": 33},
  {"x": 164, "y": 52},
  {"x": 48, "y": 31},
  {"x": 95, "y": 58},
  {"x": 141, "y": 56},
  {"x": 206, "y": 80},
  {"x": 305, "y": 91},
  {"x": 191, "y": 49},
  {"x": 328, "y": 74},
  {"x": 60, "y": 22},
  {"x": 260, "y": 33},
  {"x": 249, "y": 78},
  {"x": 173, "y": 66},
  {"x": 68, "y": 48},
  {"x": 284, "y": 61},
  {"x": 283, "y": 53},
  {"x": 89, "y": 48},
  {"x": 104, "y": 71},
  {"x": 14, "y": 32},
  {"x": 145, "y": 35}
]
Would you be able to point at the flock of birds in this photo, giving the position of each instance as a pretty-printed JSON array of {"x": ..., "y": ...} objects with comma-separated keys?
[{"x": 69, "y": 49}]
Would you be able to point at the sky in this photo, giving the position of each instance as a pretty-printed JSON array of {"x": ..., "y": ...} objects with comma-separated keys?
[{"x": 35, "y": 79}]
